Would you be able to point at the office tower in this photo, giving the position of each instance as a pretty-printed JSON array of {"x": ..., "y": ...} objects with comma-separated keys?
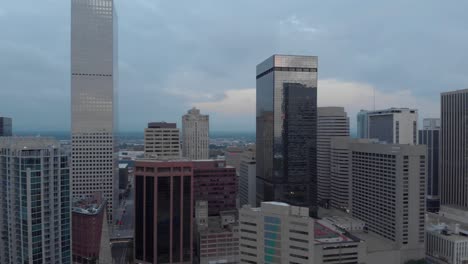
[
  {"x": 217, "y": 238},
  {"x": 429, "y": 136},
  {"x": 93, "y": 99},
  {"x": 394, "y": 125},
  {"x": 35, "y": 201},
  {"x": 453, "y": 176},
  {"x": 362, "y": 124},
  {"x": 388, "y": 193},
  {"x": 247, "y": 177},
  {"x": 276, "y": 233},
  {"x": 331, "y": 122},
  {"x": 195, "y": 135},
  {"x": 216, "y": 183},
  {"x": 163, "y": 211},
  {"x": 287, "y": 130},
  {"x": 162, "y": 141},
  {"x": 90, "y": 239},
  {"x": 6, "y": 127},
  {"x": 340, "y": 168}
]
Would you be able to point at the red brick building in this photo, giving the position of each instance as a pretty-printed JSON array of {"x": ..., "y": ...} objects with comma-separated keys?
[
  {"x": 87, "y": 225},
  {"x": 216, "y": 183}
]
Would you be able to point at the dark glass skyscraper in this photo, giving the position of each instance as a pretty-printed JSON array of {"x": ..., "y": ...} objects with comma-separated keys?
[
  {"x": 5, "y": 127},
  {"x": 287, "y": 130},
  {"x": 429, "y": 136}
]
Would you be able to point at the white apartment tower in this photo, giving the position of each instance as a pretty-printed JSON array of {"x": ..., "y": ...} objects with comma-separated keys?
[
  {"x": 388, "y": 193},
  {"x": 248, "y": 177},
  {"x": 332, "y": 122},
  {"x": 94, "y": 79},
  {"x": 35, "y": 218},
  {"x": 195, "y": 135},
  {"x": 276, "y": 233},
  {"x": 394, "y": 125},
  {"x": 162, "y": 141}
]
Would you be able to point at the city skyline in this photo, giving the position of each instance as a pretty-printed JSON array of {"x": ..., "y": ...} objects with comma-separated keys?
[{"x": 356, "y": 69}]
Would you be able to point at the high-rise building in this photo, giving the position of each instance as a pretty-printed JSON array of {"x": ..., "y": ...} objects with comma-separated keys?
[
  {"x": 94, "y": 80},
  {"x": 388, "y": 193},
  {"x": 362, "y": 124},
  {"x": 429, "y": 136},
  {"x": 162, "y": 141},
  {"x": 247, "y": 177},
  {"x": 195, "y": 135},
  {"x": 340, "y": 170},
  {"x": 35, "y": 201},
  {"x": 233, "y": 157},
  {"x": 276, "y": 233},
  {"x": 90, "y": 242},
  {"x": 394, "y": 125},
  {"x": 287, "y": 130},
  {"x": 163, "y": 211},
  {"x": 6, "y": 127},
  {"x": 453, "y": 176},
  {"x": 216, "y": 183},
  {"x": 332, "y": 122}
]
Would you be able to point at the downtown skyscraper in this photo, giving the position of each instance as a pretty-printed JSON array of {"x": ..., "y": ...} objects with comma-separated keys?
[
  {"x": 35, "y": 218},
  {"x": 93, "y": 98},
  {"x": 453, "y": 178},
  {"x": 195, "y": 135},
  {"x": 287, "y": 130}
]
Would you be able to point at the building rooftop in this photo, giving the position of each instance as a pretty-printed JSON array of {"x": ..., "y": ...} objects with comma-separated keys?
[
  {"x": 162, "y": 125},
  {"x": 123, "y": 165},
  {"x": 24, "y": 143},
  {"x": 89, "y": 205}
]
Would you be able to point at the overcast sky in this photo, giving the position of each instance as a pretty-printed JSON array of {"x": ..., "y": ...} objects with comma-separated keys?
[{"x": 177, "y": 54}]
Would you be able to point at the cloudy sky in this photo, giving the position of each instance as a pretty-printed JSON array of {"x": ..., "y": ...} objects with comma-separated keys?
[{"x": 177, "y": 54}]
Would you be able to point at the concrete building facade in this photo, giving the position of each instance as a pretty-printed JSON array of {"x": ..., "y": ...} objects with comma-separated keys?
[
  {"x": 286, "y": 130},
  {"x": 195, "y": 135},
  {"x": 217, "y": 237},
  {"x": 453, "y": 149},
  {"x": 362, "y": 124},
  {"x": 247, "y": 177},
  {"x": 94, "y": 83},
  {"x": 163, "y": 211},
  {"x": 394, "y": 125},
  {"x": 35, "y": 218},
  {"x": 162, "y": 141},
  {"x": 340, "y": 170},
  {"x": 332, "y": 122},
  {"x": 276, "y": 233},
  {"x": 388, "y": 193}
]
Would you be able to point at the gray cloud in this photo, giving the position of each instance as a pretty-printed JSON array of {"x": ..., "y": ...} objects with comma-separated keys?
[{"x": 176, "y": 53}]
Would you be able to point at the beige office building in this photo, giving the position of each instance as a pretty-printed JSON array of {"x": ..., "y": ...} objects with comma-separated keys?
[{"x": 162, "y": 141}]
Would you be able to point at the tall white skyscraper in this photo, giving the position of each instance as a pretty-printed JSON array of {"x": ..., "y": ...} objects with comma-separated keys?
[
  {"x": 94, "y": 79},
  {"x": 331, "y": 122},
  {"x": 195, "y": 135},
  {"x": 394, "y": 125},
  {"x": 35, "y": 218}
]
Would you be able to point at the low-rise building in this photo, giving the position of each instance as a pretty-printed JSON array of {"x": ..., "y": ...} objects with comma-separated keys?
[{"x": 217, "y": 237}]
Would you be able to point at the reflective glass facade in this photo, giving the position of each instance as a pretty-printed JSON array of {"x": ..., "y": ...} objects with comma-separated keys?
[
  {"x": 286, "y": 130},
  {"x": 35, "y": 219}
]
